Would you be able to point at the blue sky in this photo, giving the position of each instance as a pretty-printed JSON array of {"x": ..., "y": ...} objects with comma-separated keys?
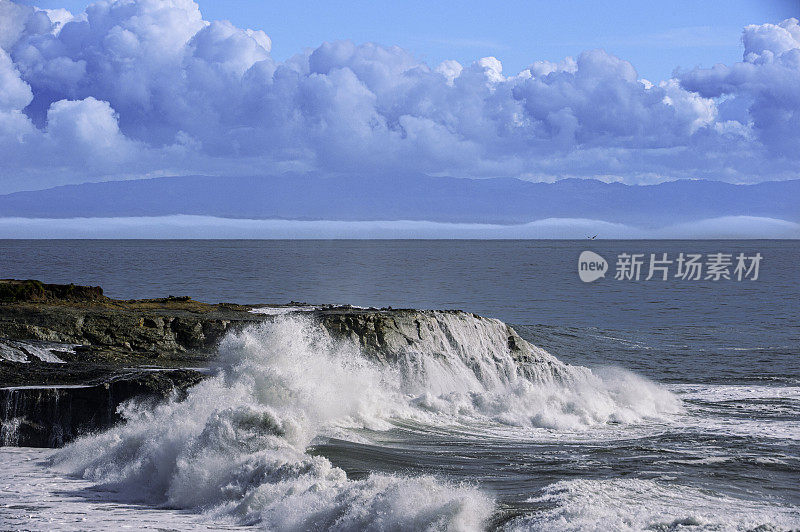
[
  {"x": 632, "y": 92},
  {"x": 656, "y": 37}
]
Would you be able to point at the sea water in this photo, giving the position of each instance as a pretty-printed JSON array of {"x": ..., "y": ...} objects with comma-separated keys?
[{"x": 658, "y": 405}]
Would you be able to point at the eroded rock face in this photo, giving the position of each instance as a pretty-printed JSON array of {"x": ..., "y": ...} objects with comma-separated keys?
[
  {"x": 69, "y": 356},
  {"x": 391, "y": 335},
  {"x": 42, "y": 416},
  {"x": 112, "y": 348},
  {"x": 120, "y": 329}
]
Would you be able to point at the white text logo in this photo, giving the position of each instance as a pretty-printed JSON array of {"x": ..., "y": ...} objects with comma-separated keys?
[{"x": 591, "y": 266}]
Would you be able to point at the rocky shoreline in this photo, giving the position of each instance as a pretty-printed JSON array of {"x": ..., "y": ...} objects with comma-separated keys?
[{"x": 69, "y": 355}]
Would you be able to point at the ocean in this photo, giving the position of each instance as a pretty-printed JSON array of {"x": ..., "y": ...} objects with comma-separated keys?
[{"x": 655, "y": 404}]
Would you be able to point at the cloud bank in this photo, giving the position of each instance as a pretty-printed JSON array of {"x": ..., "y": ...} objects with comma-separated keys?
[
  {"x": 204, "y": 227},
  {"x": 135, "y": 88}
]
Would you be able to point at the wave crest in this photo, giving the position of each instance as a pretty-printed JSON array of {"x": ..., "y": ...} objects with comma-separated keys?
[{"x": 235, "y": 447}]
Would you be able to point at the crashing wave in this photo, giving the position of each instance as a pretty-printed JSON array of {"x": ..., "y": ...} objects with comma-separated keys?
[{"x": 235, "y": 447}]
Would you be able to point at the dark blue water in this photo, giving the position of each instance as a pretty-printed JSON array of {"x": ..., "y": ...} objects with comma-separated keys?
[
  {"x": 526, "y": 282},
  {"x": 746, "y": 330},
  {"x": 730, "y": 350}
]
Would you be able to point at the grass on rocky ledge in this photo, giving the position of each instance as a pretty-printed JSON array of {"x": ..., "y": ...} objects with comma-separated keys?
[{"x": 33, "y": 292}]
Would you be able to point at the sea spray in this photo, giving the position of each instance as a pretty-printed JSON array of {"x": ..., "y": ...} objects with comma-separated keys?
[
  {"x": 472, "y": 368},
  {"x": 235, "y": 447}
]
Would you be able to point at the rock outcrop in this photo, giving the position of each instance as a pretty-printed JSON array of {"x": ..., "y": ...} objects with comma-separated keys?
[
  {"x": 50, "y": 416},
  {"x": 17, "y": 291},
  {"x": 69, "y": 355}
]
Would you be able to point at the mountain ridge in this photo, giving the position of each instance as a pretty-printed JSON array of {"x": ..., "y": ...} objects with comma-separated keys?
[{"x": 407, "y": 197}]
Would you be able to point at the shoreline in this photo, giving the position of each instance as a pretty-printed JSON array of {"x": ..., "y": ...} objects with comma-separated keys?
[{"x": 70, "y": 356}]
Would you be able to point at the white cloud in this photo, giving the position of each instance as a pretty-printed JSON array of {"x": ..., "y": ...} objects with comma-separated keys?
[
  {"x": 450, "y": 70},
  {"x": 183, "y": 226},
  {"x": 15, "y": 94},
  {"x": 761, "y": 92},
  {"x": 88, "y": 126},
  {"x": 156, "y": 89},
  {"x": 732, "y": 227}
]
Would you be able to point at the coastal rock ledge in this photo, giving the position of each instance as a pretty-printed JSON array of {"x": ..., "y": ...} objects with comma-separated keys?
[{"x": 69, "y": 355}]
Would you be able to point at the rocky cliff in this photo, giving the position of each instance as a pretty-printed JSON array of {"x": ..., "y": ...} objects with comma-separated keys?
[{"x": 69, "y": 356}]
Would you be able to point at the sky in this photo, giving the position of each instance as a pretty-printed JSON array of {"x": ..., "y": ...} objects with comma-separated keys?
[
  {"x": 634, "y": 92},
  {"x": 656, "y": 37}
]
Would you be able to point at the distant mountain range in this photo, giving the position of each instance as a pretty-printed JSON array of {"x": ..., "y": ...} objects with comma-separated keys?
[{"x": 409, "y": 197}]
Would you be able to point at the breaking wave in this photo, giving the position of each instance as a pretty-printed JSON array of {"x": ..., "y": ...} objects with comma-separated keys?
[{"x": 236, "y": 446}]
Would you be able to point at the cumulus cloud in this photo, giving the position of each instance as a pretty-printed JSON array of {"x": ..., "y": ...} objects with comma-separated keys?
[
  {"x": 15, "y": 94},
  {"x": 147, "y": 87},
  {"x": 762, "y": 90},
  {"x": 87, "y": 128}
]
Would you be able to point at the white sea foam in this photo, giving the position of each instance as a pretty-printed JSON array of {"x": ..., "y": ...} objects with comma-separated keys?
[
  {"x": 278, "y": 311},
  {"x": 638, "y": 504},
  {"x": 463, "y": 369},
  {"x": 21, "y": 351},
  {"x": 748, "y": 410},
  {"x": 12, "y": 353},
  {"x": 236, "y": 446},
  {"x": 36, "y": 498},
  {"x": 729, "y": 392}
]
